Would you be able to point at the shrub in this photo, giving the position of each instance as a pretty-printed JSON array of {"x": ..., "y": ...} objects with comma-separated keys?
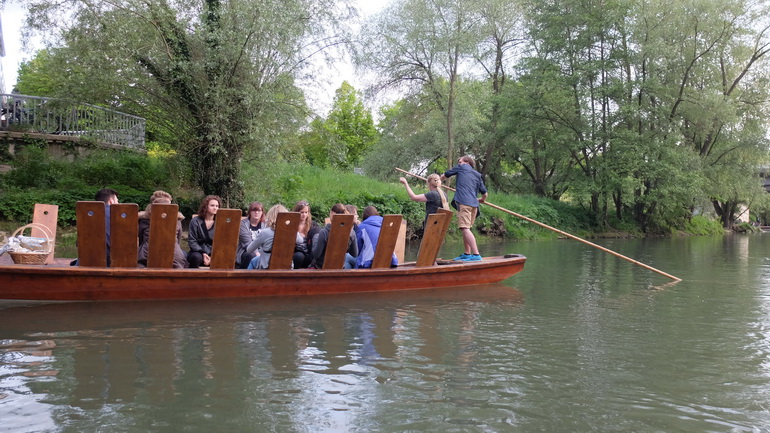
[
  {"x": 32, "y": 167},
  {"x": 702, "y": 226}
]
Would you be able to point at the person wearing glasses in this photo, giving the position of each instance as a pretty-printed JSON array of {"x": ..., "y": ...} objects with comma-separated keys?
[{"x": 250, "y": 228}]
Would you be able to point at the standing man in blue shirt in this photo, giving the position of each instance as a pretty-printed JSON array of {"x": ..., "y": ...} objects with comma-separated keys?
[{"x": 469, "y": 186}]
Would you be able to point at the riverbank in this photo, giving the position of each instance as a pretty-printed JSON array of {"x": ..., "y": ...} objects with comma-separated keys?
[{"x": 38, "y": 179}]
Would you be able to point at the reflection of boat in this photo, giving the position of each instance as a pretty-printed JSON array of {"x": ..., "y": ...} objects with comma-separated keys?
[
  {"x": 69, "y": 316},
  {"x": 32, "y": 282}
]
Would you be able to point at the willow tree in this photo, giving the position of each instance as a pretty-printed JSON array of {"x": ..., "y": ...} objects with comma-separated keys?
[
  {"x": 700, "y": 83},
  {"x": 223, "y": 70},
  {"x": 421, "y": 45}
]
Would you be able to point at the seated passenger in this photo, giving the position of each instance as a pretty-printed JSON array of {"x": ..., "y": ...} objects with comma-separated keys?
[
  {"x": 263, "y": 243},
  {"x": 353, "y": 210},
  {"x": 159, "y": 197},
  {"x": 368, "y": 233},
  {"x": 200, "y": 236},
  {"x": 320, "y": 240},
  {"x": 307, "y": 229},
  {"x": 250, "y": 228}
]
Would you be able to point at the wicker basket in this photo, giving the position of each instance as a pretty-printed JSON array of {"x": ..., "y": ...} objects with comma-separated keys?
[{"x": 33, "y": 258}]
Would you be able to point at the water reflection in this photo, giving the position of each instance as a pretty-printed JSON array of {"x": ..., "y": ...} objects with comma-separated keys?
[
  {"x": 284, "y": 363},
  {"x": 588, "y": 342}
]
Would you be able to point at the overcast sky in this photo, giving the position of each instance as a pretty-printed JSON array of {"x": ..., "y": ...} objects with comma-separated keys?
[{"x": 12, "y": 16}]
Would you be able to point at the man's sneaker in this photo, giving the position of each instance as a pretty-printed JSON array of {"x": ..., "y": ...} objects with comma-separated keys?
[
  {"x": 462, "y": 257},
  {"x": 472, "y": 258}
]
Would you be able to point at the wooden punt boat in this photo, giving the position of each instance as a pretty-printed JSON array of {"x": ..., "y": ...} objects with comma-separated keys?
[
  {"x": 92, "y": 281},
  {"x": 31, "y": 282}
]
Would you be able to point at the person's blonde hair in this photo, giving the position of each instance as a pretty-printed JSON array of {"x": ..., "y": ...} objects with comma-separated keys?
[
  {"x": 435, "y": 180},
  {"x": 158, "y": 197},
  {"x": 272, "y": 215}
]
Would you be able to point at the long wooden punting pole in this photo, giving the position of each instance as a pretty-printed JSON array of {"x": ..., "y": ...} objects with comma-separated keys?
[{"x": 561, "y": 232}]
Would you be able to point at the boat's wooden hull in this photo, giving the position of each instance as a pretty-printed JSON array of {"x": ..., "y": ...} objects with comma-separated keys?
[{"x": 59, "y": 283}]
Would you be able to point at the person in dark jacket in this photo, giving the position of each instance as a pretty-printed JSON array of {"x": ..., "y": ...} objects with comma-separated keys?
[
  {"x": 200, "y": 236},
  {"x": 320, "y": 240}
]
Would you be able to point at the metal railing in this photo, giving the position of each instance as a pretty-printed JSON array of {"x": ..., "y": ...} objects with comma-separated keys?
[{"x": 57, "y": 116}]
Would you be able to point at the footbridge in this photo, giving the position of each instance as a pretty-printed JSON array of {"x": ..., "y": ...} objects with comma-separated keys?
[{"x": 59, "y": 121}]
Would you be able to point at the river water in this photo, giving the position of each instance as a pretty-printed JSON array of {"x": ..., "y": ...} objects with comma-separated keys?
[{"x": 579, "y": 341}]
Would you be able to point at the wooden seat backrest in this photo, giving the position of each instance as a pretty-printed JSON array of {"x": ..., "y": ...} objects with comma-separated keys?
[
  {"x": 124, "y": 235},
  {"x": 284, "y": 241},
  {"x": 432, "y": 238},
  {"x": 337, "y": 244},
  {"x": 47, "y": 215},
  {"x": 401, "y": 243},
  {"x": 92, "y": 233},
  {"x": 447, "y": 221},
  {"x": 226, "y": 227},
  {"x": 163, "y": 219},
  {"x": 386, "y": 244}
]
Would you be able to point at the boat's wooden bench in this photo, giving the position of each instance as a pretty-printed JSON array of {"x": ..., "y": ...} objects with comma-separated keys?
[
  {"x": 386, "y": 244},
  {"x": 163, "y": 221},
  {"x": 433, "y": 237},
  {"x": 226, "y": 227},
  {"x": 92, "y": 237},
  {"x": 337, "y": 244},
  {"x": 48, "y": 216},
  {"x": 284, "y": 241},
  {"x": 92, "y": 234}
]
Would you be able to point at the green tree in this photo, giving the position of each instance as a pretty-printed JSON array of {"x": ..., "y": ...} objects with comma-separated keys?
[
  {"x": 500, "y": 31},
  {"x": 351, "y": 124},
  {"x": 645, "y": 101},
  {"x": 413, "y": 132},
  {"x": 221, "y": 71},
  {"x": 37, "y": 77},
  {"x": 422, "y": 45}
]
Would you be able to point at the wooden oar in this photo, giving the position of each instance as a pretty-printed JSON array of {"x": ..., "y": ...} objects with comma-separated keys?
[{"x": 561, "y": 232}]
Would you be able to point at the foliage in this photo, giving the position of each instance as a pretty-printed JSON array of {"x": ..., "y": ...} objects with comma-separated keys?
[
  {"x": 36, "y": 177},
  {"x": 423, "y": 46},
  {"x": 219, "y": 73},
  {"x": 350, "y": 124},
  {"x": 636, "y": 111},
  {"x": 288, "y": 183},
  {"x": 633, "y": 113},
  {"x": 702, "y": 226},
  {"x": 38, "y": 76},
  {"x": 412, "y": 134},
  {"x": 32, "y": 167}
]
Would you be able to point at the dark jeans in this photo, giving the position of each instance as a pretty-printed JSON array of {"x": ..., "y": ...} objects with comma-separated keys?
[
  {"x": 195, "y": 259},
  {"x": 301, "y": 260},
  {"x": 245, "y": 259}
]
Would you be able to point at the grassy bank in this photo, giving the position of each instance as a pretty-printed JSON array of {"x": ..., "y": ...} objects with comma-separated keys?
[
  {"x": 36, "y": 178},
  {"x": 288, "y": 184}
]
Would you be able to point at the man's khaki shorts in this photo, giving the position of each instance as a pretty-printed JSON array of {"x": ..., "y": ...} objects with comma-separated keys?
[{"x": 466, "y": 216}]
